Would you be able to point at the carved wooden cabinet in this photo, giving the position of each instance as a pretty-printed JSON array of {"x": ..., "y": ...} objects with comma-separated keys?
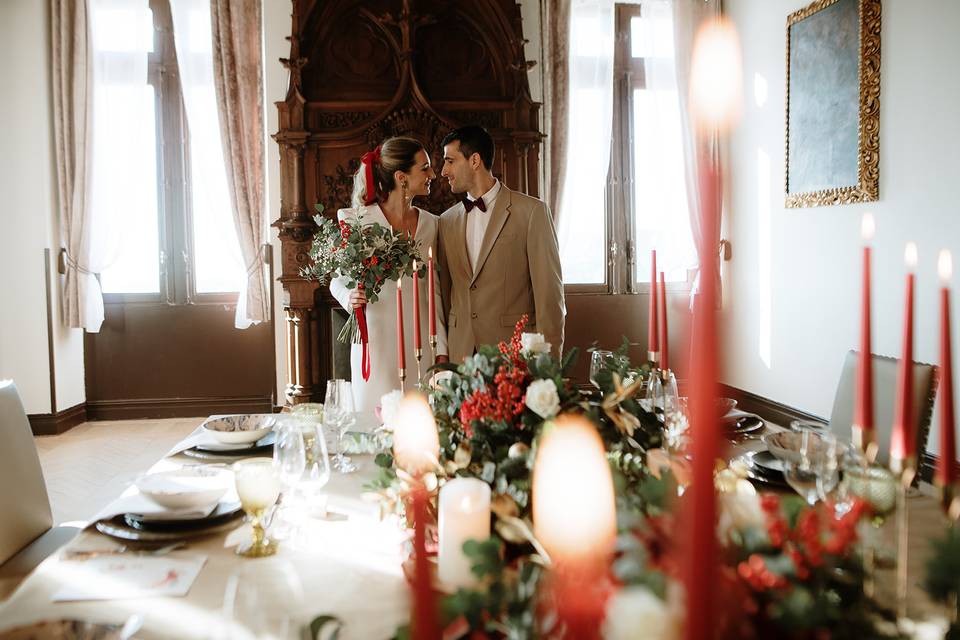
[{"x": 364, "y": 71}]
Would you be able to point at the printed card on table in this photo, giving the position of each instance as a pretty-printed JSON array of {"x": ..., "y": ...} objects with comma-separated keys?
[{"x": 114, "y": 577}]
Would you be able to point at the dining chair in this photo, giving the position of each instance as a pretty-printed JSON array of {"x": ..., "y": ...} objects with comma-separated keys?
[
  {"x": 925, "y": 378},
  {"x": 27, "y": 535}
]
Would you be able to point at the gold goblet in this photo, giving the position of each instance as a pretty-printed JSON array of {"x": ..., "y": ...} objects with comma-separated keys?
[{"x": 258, "y": 486}]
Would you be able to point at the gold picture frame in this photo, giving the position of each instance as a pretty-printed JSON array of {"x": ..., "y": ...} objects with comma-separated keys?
[{"x": 832, "y": 149}]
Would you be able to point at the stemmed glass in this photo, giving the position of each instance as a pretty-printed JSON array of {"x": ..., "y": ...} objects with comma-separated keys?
[
  {"x": 258, "y": 487},
  {"x": 317, "y": 472},
  {"x": 290, "y": 459},
  {"x": 263, "y": 601},
  {"x": 338, "y": 415},
  {"x": 598, "y": 361},
  {"x": 802, "y": 474}
]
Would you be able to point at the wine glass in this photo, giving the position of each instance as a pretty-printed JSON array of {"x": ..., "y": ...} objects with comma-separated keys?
[
  {"x": 802, "y": 474},
  {"x": 338, "y": 415},
  {"x": 258, "y": 487},
  {"x": 317, "y": 472},
  {"x": 827, "y": 460},
  {"x": 264, "y": 600},
  {"x": 289, "y": 454},
  {"x": 598, "y": 362}
]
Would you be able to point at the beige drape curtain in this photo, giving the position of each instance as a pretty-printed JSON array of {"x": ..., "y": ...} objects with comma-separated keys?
[
  {"x": 72, "y": 79},
  {"x": 556, "y": 41},
  {"x": 238, "y": 78},
  {"x": 688, "y": 16}
]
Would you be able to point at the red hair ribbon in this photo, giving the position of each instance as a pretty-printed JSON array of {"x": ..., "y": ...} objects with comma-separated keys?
[{"x": 369, "y": 159}]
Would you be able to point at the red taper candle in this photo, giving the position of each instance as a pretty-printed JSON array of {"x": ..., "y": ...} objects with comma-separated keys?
[
  {"x": 401, "y": 355},
  {"x": 903, "y": 440},
  {"x": 431, "y": 303},
  {"x": 653, "y": 333},
  {"x": 416, "y": 308},
  {"x": 715, "y": 93},
  {"x": 946, "y": 473},
  {"x": 863, "y": 425},
  {"x": 664, "y": 360}
]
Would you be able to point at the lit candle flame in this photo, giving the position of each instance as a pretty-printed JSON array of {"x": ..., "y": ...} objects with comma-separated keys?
[
  {"x": 716, "y": 75},
  {"x": 867, "y": 227},
  {"x": 945, "y": 266},
  {"x": 416, "y": 445},
  {"x": 574, "y": 514},
  {"x": 399, "y": 283},
  {"x": 414, "y": 266},
  {"x": 910, "y": 255},
  {"x": 430, "y": 252}
]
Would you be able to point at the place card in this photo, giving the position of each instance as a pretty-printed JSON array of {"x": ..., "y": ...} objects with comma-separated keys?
[{"x": 117, "y": 577}]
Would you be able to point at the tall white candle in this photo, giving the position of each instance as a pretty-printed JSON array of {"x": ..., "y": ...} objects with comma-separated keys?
[{"x": 464, "y": 515}]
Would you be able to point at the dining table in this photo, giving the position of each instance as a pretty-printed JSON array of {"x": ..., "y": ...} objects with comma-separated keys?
[{"x": 349, "y": 562}]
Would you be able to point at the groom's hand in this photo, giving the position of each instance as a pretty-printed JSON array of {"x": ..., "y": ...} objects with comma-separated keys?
[{"x": 442, "y": 360}]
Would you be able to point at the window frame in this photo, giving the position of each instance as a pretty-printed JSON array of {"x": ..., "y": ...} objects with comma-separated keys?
[
  {"x": 177, "y": 285},
  {"x": 629, "y": 74}
]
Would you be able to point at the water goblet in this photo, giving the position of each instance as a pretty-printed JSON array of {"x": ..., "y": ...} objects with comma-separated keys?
[
  {"x": 339, "y": 415},
  {"x": 598, "y": 362},
  {"x": 802, "y": 474},
  {"x": 263, "y": 601},
  {"x": 317, "y": 473},
  {"x": 258, "y": 487}
]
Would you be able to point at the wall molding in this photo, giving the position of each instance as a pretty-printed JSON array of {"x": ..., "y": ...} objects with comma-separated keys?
[
  {"x": 782, "y": 414},
  {"x": 53, "y": 424},
  {"x": 140, "y": 408}
]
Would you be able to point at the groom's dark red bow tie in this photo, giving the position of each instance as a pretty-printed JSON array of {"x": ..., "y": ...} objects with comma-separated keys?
[{"x": 469, "y": 204}]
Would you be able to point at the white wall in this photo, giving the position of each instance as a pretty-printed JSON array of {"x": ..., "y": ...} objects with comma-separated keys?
[
  {"x": 276, "y": 26},
  {"x": 27, "y": 217},
  {"x": 791, "y": 307}
]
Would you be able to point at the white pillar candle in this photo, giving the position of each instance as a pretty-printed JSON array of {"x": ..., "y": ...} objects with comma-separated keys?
[{"x": 464, "y": 515}]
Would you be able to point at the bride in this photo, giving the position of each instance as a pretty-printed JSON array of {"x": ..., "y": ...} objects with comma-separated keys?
[{"x": 400, "y": 171}]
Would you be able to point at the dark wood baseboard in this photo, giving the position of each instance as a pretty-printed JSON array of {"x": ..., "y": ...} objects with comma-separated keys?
[
  {"x": 781, "y": 414},
  {"x": 133, "y": 409},
  {"x": 53, "y": 424}
]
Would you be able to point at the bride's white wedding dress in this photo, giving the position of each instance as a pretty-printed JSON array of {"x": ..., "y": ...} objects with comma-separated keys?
[{"x": 382, "y": 319}]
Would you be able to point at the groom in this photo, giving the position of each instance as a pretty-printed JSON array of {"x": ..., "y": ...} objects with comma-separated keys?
[{"x": 498, "y": 254}]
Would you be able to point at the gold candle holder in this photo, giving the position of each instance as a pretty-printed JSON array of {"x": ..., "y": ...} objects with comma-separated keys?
[
  {"x": 418, "y": 353},
  {"x": 403, "y": 377},
  {"x": 654, "y": 357},
  {"x": 906, "y": 468}
]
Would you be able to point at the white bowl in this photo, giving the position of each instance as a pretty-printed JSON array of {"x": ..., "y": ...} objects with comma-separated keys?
[
  {"x": 240, "y": 429},
  {"x": 188, "y": 488}
]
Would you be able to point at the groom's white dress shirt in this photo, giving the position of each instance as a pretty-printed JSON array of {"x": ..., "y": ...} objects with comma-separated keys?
[{"x": 477, "y": 222}]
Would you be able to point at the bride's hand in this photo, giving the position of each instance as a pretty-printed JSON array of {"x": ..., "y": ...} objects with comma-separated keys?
[{"x": 357, "y": 298}]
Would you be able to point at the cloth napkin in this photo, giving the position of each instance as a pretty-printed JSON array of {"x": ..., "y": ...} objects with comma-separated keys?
[{"x": 137, "y": 503}]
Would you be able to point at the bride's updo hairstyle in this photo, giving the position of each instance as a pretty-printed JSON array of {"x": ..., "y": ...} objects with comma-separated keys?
[{"x": 378, "y": 167}]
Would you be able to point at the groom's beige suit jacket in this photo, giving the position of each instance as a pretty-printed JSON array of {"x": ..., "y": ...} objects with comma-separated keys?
[{"x": 518, "y": 272}]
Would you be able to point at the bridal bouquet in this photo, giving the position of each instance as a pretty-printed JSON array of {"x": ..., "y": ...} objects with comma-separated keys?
[{"x": 368, "y": 255}]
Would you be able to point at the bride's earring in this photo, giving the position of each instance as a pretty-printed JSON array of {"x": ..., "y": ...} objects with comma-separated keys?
[{"x": 403, "y": 185}]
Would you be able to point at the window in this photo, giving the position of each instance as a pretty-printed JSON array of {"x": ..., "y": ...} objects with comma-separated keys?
[
  {"x": 613, "y": 218},
  {"x": 160, "y": 184}
]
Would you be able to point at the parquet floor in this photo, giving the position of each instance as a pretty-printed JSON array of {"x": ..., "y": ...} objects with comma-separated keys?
[{"x": 91, "y": 464}]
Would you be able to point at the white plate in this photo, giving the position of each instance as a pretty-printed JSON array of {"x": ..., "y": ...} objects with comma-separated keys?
[
  {"x": 187, "y": 488},
  {"x": 240, "y": 429}
]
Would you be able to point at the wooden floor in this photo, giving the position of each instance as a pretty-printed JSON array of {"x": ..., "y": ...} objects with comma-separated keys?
[{"x": 91, "y": 464}]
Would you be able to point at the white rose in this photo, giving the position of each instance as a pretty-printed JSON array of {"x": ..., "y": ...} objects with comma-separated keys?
[
  {"x": 635, "y": 613},
  {"x": 533, "y": 343},
  {"x": 740, "y": 510},
  {"x": 542, "y": 398},
  {"x": 388, "y": 407}
]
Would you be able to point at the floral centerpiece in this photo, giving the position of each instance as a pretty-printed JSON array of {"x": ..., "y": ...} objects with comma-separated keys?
[{"x": 368, "y": 255}]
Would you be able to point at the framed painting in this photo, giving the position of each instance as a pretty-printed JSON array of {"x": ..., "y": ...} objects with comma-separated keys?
[{"x": 833, "y": 103}]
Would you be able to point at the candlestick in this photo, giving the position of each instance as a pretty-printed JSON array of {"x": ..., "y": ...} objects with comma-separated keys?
[
  {"x": 863, "y": 432},
  {"x": 903, "y": 442},
  {"x": 431, "y": 303},
  {"x": 417, "y": 345},
  {"x": 653, "y": 333},
  {"x": 574, "y": 517},
  {"x": 664, "y": 350},
  {"x": 946, "y": 475},
  {"x": 464, "y": 515}
]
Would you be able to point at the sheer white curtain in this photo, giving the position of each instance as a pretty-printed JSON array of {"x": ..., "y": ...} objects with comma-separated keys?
[
  {"x": 122, "y": 220},
  {"x": 582, "y": 220},
  {"x": 218, "y": 265},
  {"x": 662, "y": 219},
  {"x": 688, "y": 15}
]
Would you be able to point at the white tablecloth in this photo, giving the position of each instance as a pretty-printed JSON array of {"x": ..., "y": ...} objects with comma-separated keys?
[{"x": 350, "y": 567}]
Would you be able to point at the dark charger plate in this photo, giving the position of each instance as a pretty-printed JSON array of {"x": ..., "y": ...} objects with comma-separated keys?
[{"x": 224, "y": 512}]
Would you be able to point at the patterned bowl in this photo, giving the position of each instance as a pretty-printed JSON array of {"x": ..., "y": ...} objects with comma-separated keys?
[
  {"x": 187, "y": 488},
  {"x": 240, "y": 429}
]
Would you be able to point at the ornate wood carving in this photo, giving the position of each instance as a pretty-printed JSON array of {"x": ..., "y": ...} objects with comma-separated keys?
[{"x": 362, "y": 72}]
